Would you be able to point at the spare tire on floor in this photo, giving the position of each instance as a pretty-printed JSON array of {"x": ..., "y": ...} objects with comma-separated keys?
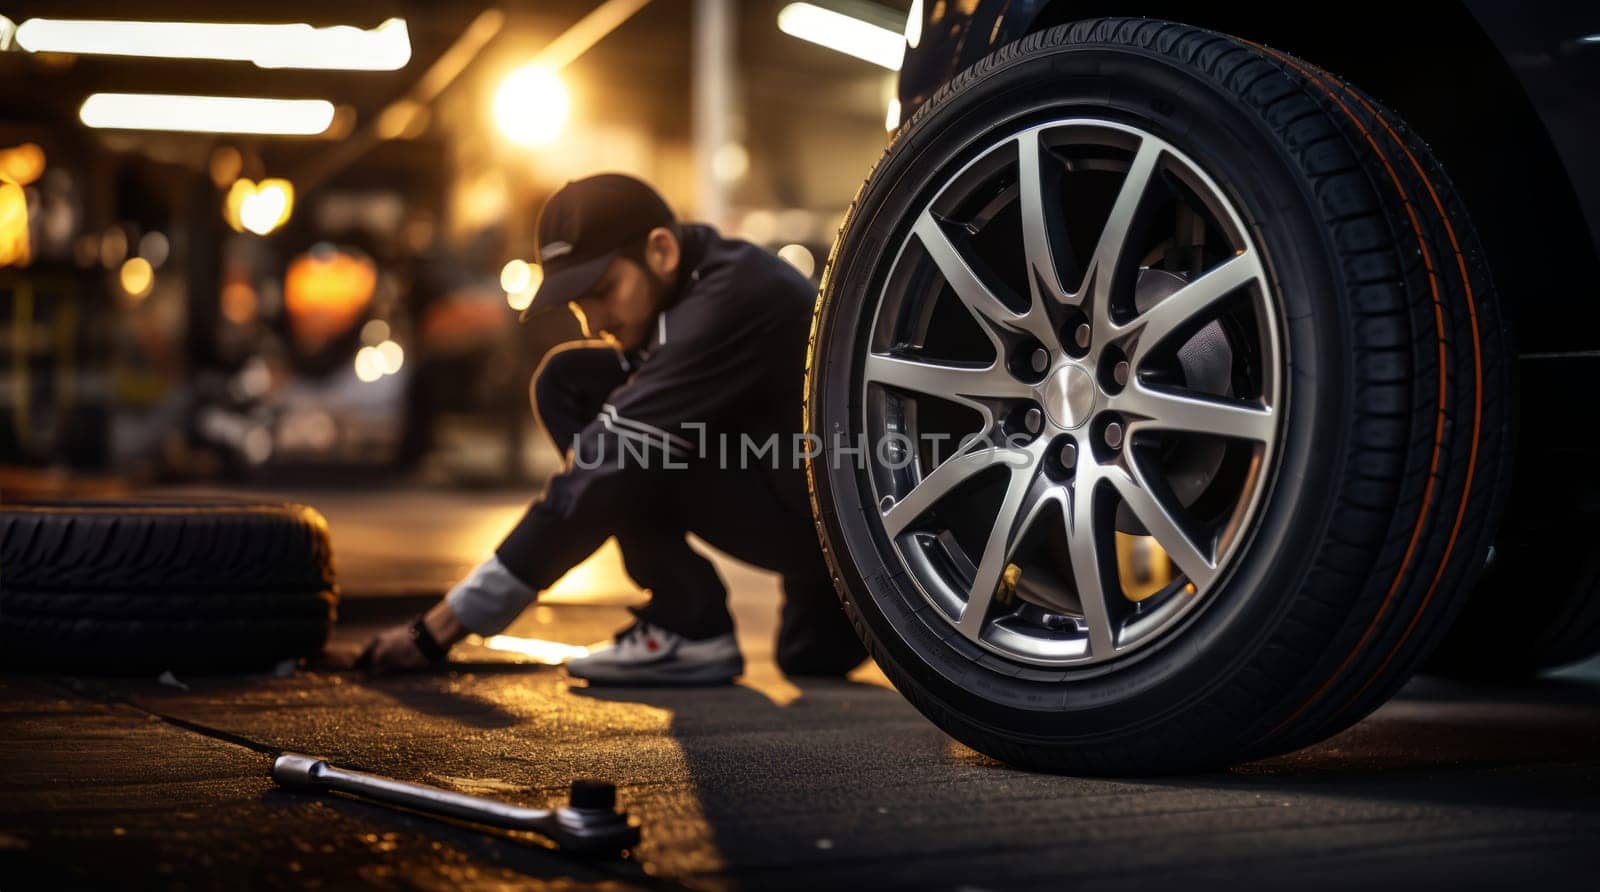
[{"x": 135, "y": 587}]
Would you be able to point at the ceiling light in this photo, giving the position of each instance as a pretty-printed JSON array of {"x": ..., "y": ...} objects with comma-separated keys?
[
  {"x": 843, "y": 33},
  {"x": 531, "y": 105},
  {"x": 207, "y": 114},
  {"x": 384, "y": 48}
]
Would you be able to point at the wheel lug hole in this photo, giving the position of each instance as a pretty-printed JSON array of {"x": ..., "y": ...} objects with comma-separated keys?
[
  {"x": 1115, "y": 370},
  {"x": 1107, "y": 437},
  {"x": 1029, "y": 361},
  {"x": 1026, "y": 421},
  {"x": 1061, "y": 459},
  {"x": 1076, "y": 334},
  {"x": 1113, "y": 434}
]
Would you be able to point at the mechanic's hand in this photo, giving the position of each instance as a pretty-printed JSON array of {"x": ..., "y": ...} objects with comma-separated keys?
[{"x": 392, "y": 651}]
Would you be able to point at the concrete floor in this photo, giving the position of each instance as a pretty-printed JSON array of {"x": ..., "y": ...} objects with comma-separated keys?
[{"x": 107, "y": 782}]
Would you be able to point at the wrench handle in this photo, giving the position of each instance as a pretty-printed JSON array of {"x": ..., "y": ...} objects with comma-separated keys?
[
  {"x": 305, "y": 772},
  {"x": 590, "y": 824}
]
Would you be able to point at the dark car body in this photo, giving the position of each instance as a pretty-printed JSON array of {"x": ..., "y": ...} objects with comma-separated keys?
[{"x": 1507, "y": 95}]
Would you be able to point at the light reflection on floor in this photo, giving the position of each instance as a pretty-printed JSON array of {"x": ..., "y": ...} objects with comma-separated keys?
[
  {"x": 410, "y": 541},
  {"x": 537, "y": 650},
  {"x": 602, "y": 579}
]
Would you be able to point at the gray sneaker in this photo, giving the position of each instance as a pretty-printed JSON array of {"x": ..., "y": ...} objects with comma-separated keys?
[{"x": 643, "y": 654}]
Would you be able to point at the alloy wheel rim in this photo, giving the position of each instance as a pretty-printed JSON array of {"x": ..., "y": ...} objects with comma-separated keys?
[{"x": 1086, "y": 421}]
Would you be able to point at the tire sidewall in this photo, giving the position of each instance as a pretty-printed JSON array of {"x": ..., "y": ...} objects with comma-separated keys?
[{"x": 1216, "y": 642}]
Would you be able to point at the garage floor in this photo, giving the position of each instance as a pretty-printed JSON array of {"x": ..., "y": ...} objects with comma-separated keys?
[{"x": 135, "y": 782}]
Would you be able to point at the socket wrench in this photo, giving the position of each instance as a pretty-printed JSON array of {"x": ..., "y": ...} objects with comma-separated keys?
[{"x": 588, "y": 824}]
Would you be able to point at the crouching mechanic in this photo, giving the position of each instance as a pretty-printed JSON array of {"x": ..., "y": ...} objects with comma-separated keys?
[{"x": 682, "y": 418}]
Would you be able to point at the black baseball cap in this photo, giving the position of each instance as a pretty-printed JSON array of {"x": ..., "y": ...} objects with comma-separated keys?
[{"x": 583, "y": 227}]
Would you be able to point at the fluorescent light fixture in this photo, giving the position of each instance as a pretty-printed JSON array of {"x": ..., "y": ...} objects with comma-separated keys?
[
  {"x": 1592, "y": 38},
  {"x": 384, "y": 48},
  {"x": 843, "y": 33},
  {"x": 207, "y": 114}
]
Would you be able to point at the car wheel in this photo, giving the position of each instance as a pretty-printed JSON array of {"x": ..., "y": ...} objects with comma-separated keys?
[
  {"x": 1133, "y": 288},
  {"x": 135, "y": 587}
]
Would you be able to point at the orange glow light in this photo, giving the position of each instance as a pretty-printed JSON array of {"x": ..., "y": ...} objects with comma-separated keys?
[
  {"x": 14, "y": 250},
  {"x": 325, "y": 291},
  {"x": 22, "y": 164}
]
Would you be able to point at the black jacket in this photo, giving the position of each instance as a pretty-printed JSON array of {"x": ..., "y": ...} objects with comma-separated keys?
[{"x": 720, "y": 380}]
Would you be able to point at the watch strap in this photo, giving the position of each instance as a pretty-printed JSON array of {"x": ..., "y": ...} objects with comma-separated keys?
[{"x": 428, "y": 645}]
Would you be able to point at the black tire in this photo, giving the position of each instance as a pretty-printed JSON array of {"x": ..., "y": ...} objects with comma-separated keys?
[
  {"x": 139, "y": 587},
  {"x": 1394, "y": 457},
  {"x": 1537, "y": 606}
]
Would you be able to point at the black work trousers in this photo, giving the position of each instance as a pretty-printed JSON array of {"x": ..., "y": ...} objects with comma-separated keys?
[{"x": 734, "y": 510}]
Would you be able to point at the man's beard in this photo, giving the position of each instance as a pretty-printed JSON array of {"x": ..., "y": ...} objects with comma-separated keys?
[{"x": 660, "y": 292}]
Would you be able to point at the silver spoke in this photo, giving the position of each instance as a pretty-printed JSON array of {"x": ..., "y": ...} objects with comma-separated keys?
[
  {"x": 944, "y": 380},
  {"x": 1164, "y": 527},
  {"x": 968, "y": 288},
  {"x": 1089, "y": 568},
  {"x": 938, "y": 483},
  {"x": 1009, "y": 524},
  {"x": 1074, "y": 433},
  {"x": 1035, "y": 227},
  {"x": 1193, "y": 300},
  {"x": 986, "y": 307},
  {"x": 1114, "y": 237},
  {"x": 1195, "y": 413}
]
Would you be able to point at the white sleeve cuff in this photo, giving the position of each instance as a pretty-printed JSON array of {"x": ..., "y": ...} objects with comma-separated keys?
[{"x": 490, "y": 598}]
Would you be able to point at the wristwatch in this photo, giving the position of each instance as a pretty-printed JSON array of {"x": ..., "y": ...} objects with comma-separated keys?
[{"x": 428, "y": 645}]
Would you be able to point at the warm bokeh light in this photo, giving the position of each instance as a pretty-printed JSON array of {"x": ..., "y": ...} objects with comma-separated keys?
[
  {"x": 531, "y": 106},
  {"x": 391, "y": 357},
  {"x": 730, "y": 162},
  {"x": 384, "y": 48},
  {"x": 239, "y": 302},
  {"x": 369, "y": 365},
  {"x": 268, "y": 207},
  {"x": 843, "y": 33},
  {"x": 325, "y": 291},
  {"x": 403, "y": 119},
  {"x": 799, "y": 257},
  {"x": 259, "y": 207},
  {"x": 136, "y": 276},
  {"x": 528, "y": 280},
  {"x": 207, "y": 114},
  {"x": 373, "y": 362},
  {"x": 154, "y": 247},
  {"x": 225, "y": 165},
  {"x": 113, "y": 247},
  {"x": 914, "y": 24},
  {"x": 22, "y": 164},
  {"x": 514, "y": 276},
  {"x": 14, "y": 244},
  {"x": 759, "y": 226},
  {"x": 891, "y": 119},
  {"x": 376, "y": 331}
]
